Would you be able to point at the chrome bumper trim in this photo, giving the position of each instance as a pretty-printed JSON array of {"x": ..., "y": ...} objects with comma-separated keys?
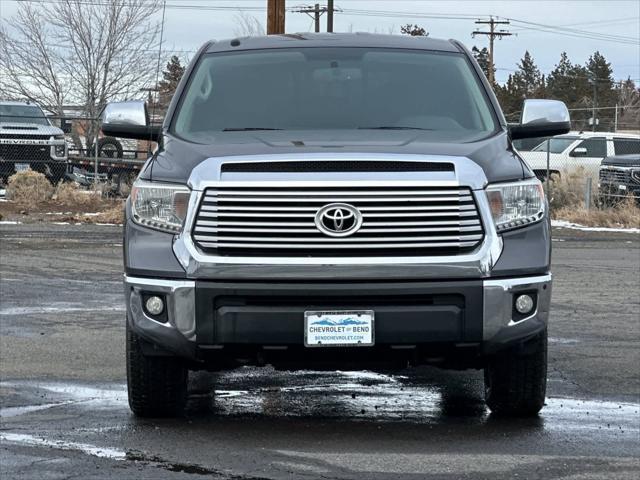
[
  {"x": 179, "y": 333},
  {"x": 498, "y": 306}
]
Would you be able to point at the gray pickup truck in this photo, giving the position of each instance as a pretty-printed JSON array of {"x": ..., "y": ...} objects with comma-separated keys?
[
  {"x": 29, "y": 140},
  {"x": 336, "y": 201}
]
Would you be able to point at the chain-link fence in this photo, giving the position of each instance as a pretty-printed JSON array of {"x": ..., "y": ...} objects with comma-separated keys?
[
  {"x": 590, "y": 170},
  {"x": 63, "y": 150},
  {"x": 586, "y": 169}
]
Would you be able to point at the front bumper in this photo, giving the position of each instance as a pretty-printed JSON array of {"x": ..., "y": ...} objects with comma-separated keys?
[{"x": 210, "y": 316}]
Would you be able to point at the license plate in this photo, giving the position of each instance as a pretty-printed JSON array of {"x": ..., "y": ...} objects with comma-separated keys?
[
  {"x": 21, "y": 167},
  {"x": 339, "y": 328},
  {"x": 622, "y": 187}
]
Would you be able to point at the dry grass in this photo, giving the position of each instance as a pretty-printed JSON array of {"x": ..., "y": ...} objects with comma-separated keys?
[
  {"x": 624, "y": 215},
  {"x": 567, "y": 202},
  {"x": 567, "y": 191},
  {"x": 31, "y": 197},
  {"x": 68, "y": 195},
  {"x": 29, "y": 188},
  {"x": 112, "y": 215}
]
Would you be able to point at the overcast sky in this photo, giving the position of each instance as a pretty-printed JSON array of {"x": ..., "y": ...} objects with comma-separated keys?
[{"x": 187, "y": 28}]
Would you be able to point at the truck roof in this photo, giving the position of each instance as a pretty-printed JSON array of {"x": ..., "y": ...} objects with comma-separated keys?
[
  {"x": 583, "y": 135},
  {"x": 16, "y": 102},
  {"x": 293, "y": 40}
]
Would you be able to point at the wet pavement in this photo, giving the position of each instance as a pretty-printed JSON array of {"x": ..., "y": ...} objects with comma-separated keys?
[{"x": 64, "y": 413}]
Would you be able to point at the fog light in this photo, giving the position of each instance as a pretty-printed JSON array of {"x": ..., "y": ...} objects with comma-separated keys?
[
  {"x": 524, "y": 304},
  {"x": 154, "y": 305}
]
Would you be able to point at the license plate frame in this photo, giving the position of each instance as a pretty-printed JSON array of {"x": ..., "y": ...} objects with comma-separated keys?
[{"x": 344, "y": 321}]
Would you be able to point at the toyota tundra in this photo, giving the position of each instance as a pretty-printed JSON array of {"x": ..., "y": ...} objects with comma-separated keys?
[{"x": 336, "y": 201}]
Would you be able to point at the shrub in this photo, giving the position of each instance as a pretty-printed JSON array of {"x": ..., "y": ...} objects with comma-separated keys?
[
  {"x": 567, "y": 190},
  {"x": 29, "y": 188},
  {"x": 69, "y": 195}
]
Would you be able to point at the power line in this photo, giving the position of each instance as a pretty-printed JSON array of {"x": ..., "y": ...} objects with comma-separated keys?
[
  {"x": 170, "y": 6},
  {"x": 492, "y": 34},
  {"x": 596, "y": 24},
  {"x": 524, "y": 24},
  {"x": 314, "y": 12}
]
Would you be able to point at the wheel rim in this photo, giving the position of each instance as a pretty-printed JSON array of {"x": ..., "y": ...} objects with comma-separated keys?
[{"x": 108, "y": 151}]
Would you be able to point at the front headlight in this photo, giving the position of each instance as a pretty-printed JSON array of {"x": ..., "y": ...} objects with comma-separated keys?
[
  {"x": 516, "y": 204},
  {"x": 59, "y": 150},
  {"x": 161, "y": 206}
]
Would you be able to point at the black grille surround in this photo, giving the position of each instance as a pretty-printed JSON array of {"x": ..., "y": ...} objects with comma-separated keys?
[
  {"x": 338, "y": 166},
  {"x": 25, "y": 153},
  {"x": 397, "y": 220}
]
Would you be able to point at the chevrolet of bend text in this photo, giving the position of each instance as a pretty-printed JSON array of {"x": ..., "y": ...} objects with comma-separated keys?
[{"x": 336, "y": 201}]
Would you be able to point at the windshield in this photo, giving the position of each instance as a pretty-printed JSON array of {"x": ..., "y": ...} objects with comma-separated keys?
[
  {"x": 22, "y": 114},
  {"x": 558, "y": 145},
  {"x": 335, "y": 89}
]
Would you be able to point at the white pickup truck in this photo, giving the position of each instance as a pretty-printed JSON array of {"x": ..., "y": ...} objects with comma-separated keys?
[{"x": 28, "y": 140}]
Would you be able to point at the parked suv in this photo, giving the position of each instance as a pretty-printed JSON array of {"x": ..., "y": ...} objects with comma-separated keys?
[
  {"x": 579, "y": 150},
  {"x": 28, "y": 140},
  {"x": 336, "y": 201}
]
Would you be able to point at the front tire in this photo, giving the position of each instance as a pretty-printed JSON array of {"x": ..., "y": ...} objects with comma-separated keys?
[
  {"x": 157, "y": 386},
  {"x": 516, "y": 380}
]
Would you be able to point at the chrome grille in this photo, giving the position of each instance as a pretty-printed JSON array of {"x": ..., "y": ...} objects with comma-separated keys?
[
  {"x": 280, "y": 221},
  {"x": 615, "y": 176}
]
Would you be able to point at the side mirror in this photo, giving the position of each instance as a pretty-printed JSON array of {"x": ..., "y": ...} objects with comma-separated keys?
[
  {"x": 129, "y": 120},
  {"x": 65, "y": 126},
  {"x": 578, "y": 152},
  {"x": 541, "y": 118}
]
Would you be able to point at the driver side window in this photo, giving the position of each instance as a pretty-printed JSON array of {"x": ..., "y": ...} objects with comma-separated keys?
[{"x": 596, "y": 147}]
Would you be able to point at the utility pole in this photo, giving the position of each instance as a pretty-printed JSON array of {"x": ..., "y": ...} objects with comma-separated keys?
[
  {"x": 314, "y": 12},
  {"x": 316, "y": 17},
  {"x": 595, "y": 104},
  {"x": 275, "y": 17},
  {"x": 330, "y": 11},
  {"x": 492, "y": 34}
]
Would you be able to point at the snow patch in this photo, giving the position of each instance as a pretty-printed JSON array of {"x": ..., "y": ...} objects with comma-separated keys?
[
  {"x": 577, "y": 226},
  {"x": 33, "y": 441}
]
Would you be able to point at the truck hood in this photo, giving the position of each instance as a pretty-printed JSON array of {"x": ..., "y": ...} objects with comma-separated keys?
[
  {"x": 175, "y": 161},
  {"x": 631, "y": 160},
  {"x": 8, "y": 129}
]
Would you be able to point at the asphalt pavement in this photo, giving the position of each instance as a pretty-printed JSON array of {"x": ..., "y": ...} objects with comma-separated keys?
[{"x": 64, "y": 413}]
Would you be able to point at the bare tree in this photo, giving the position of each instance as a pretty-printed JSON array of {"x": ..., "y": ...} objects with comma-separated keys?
[
  {"x": 80, "y": 52},
  {"x": 248, "y": 26},
  {"x": 29, "y": 64}
]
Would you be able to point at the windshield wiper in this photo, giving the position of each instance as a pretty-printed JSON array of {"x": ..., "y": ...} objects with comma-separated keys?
[
  {"x": 248, "y": 129},
  {"x": 393, "y": 127}
]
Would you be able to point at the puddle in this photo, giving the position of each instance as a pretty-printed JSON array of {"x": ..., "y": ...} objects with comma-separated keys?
[
  {"x": 59, "y": 308},
  {"x": 563, "y": 341},
  {"x": 17, "y": 411},
  {"x": 353, "y": 396}
]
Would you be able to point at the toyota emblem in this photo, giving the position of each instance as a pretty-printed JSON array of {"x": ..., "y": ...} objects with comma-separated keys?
[{"x": 338, "y": 219}]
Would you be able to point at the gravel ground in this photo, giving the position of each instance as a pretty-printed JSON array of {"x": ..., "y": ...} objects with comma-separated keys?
[{"x": 63, "y": 395}]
